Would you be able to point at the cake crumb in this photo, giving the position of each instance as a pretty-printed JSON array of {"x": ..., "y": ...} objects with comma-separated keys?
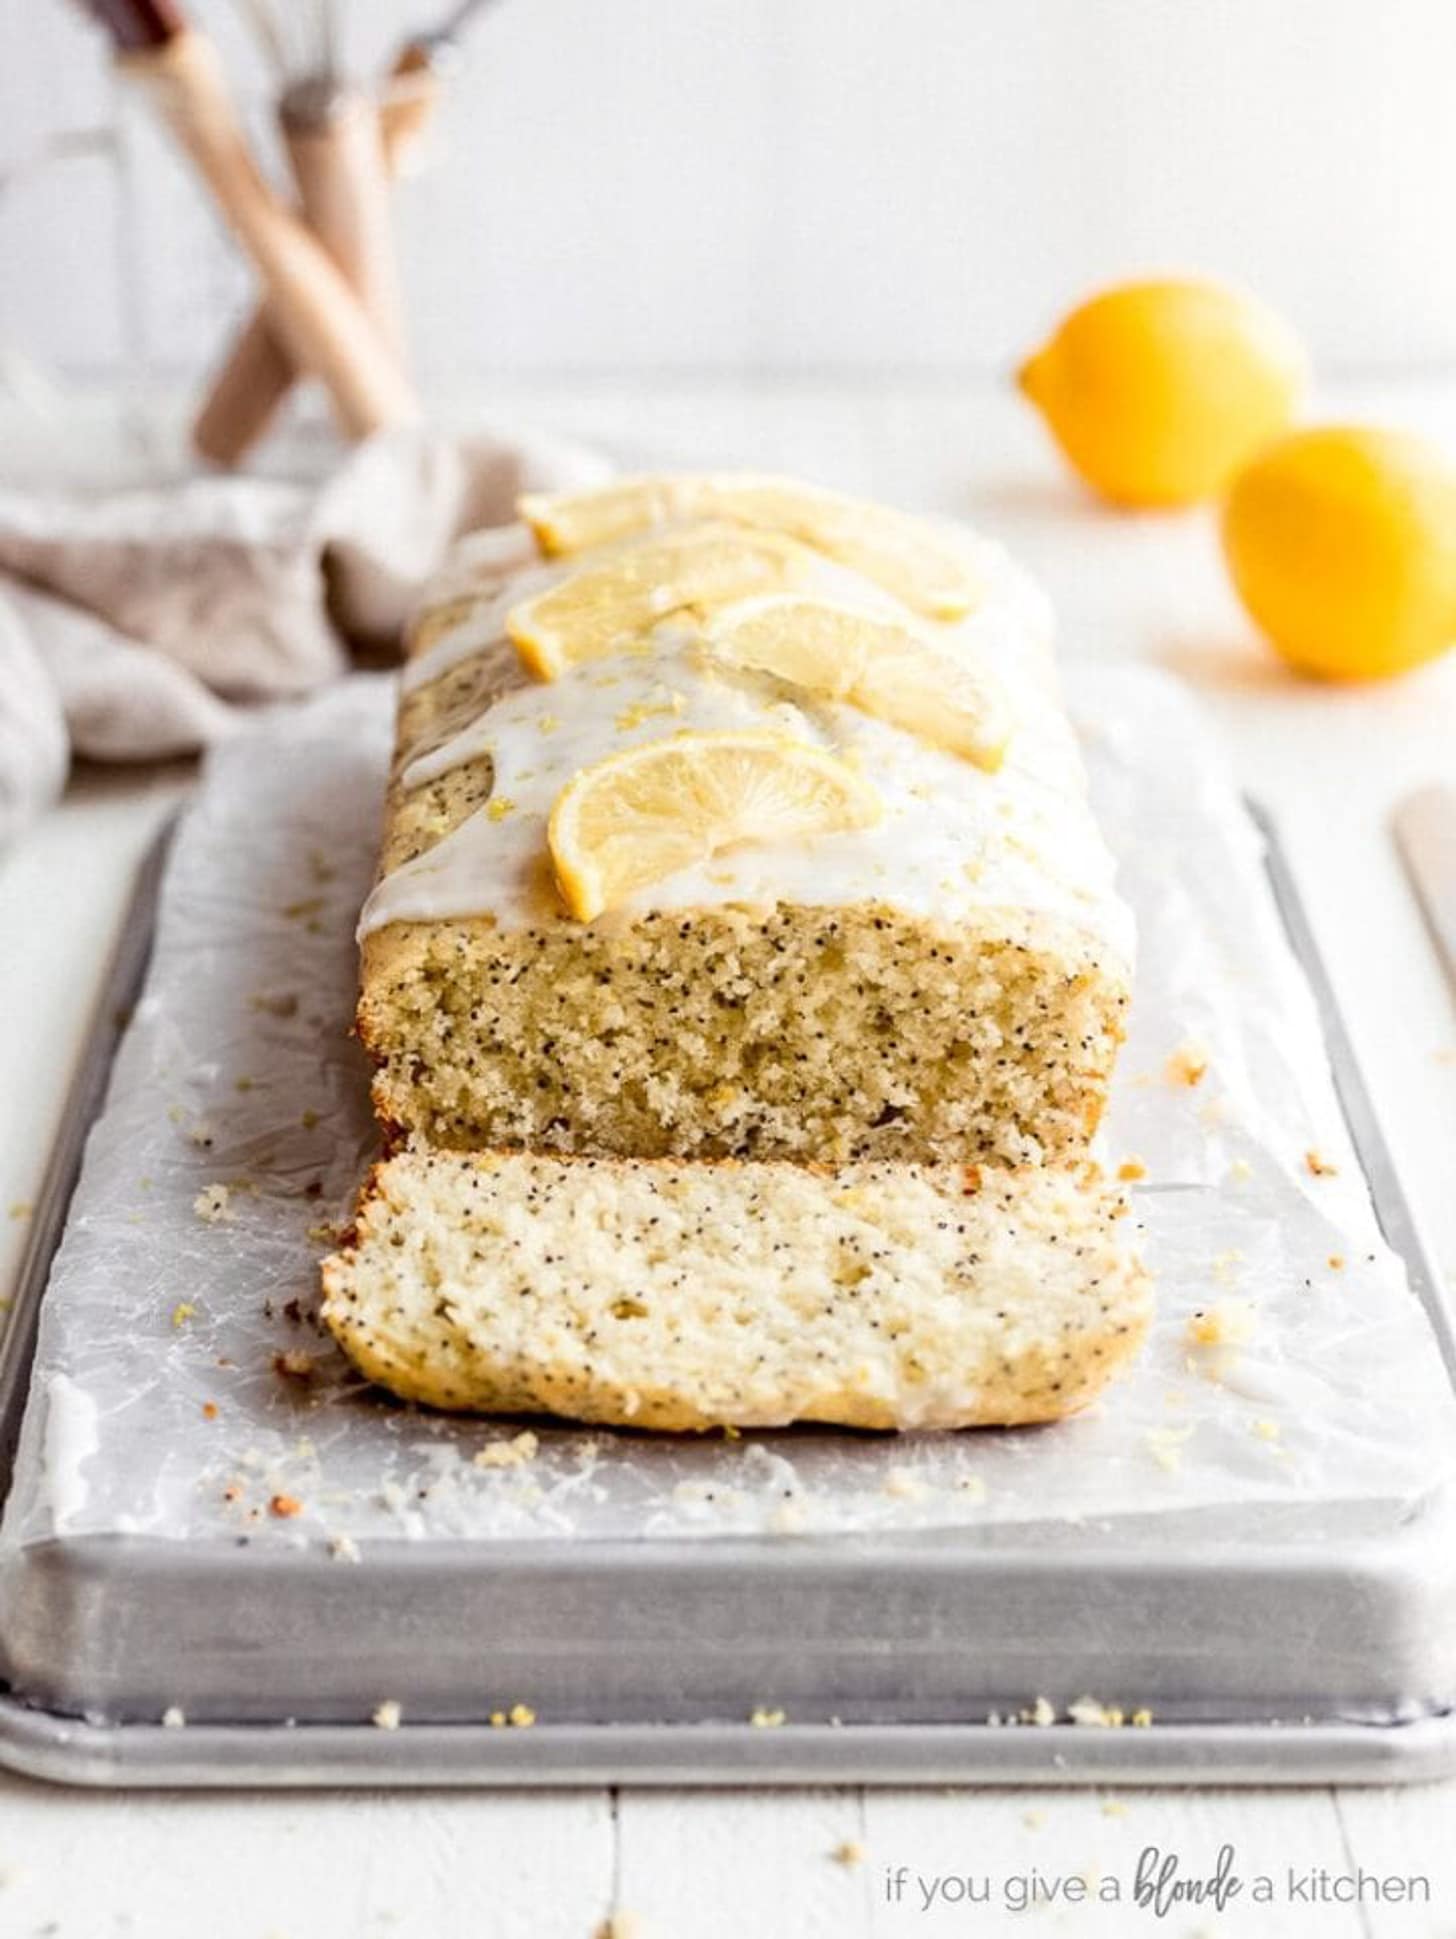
[
  {"x": 1336, "y": 1262},
  {"x": 1091, "y": 1714},
  {"x": 182, "y": 1312},
  {"x": 174, "y": 1717},
  {"x": 387, "y": 1716},
  {"x": 1141, "y": 1718},
  {"x": 1132, "y": 1169},
  {"x": 1114, "y": 1807},
  {"x": 1318, "y": 1165},
  {"x": 850, "y": 1853},
  {"x": 498, "y": 807},
  {"x": 620, "y": 1925},
  {"x": 209, "y": 1410},
  {"x": 508, "y": 1454},
  {"x": 1041, "y": 1714},
  {"x": 1227, "y": 1323},
  {"x": 213, "y": 1205},
  {"x": 294, "y": 1363},
  {"x": 343, "y": 1548},
  {"x": 522, "y": 1716},
  {"x": 1226, "y": 1266},
  {"x": 1165, "y": 1444},
  {"x": 764, "y": 1718},
  {"x": 1187, "y": 1065},
  {"x": 285, "y": 1507}
]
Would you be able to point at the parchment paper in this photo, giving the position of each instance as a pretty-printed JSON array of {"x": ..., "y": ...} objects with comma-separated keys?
[{"x": 183, "y": 1389}]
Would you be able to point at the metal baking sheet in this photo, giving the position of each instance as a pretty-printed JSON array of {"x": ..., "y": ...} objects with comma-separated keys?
[{"x": 887, "y": 1650}]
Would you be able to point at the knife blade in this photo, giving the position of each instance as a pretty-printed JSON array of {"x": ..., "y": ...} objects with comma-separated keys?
[{"x": 1425, "y": 834}]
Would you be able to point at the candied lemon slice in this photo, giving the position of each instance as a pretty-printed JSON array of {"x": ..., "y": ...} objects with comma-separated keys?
[
  {"x": 611, "y": 604},
  {"x": 639, "y": 816},
  {"x": 882, "y": 666},
  {"x": 909, "y": 558}
]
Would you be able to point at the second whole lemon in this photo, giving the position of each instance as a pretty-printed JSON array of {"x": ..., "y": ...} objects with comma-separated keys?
[
  {"x": 1158, "y": 391},
  {"x": 1342, "y": 545}
]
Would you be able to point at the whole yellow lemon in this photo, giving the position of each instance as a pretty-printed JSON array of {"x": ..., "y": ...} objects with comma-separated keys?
[
  {"x": 1342, "y": 544},
  {"x": 1158, "y": 391}
]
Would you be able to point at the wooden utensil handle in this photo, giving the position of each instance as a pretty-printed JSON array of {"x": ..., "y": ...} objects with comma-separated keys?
[
  {"x": 321, "y": 322},
  {"x": 258, "y": 375}
]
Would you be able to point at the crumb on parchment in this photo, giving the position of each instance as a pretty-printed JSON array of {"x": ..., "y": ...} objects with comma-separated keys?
[
  {"x": 182, "y": 1312},
  {"x": 620, "y": 1925},
  {"x": 1041, "y": 1714},
  {"x": 1318, "y": 1166},
  {"x": 1226, "y": 1323},
  {"x": 514, "y": 1453},
  {"x": 343, "y": 1548},
  {"x": 766, "y": 1718},
  {"x": 1187, "y": 1065},
  {"x": 387, "y": 1716},
  {"x": 850, "y": 1853},
  {"x": 1131, "y": 1170},
  {"x": 1094, "y": 1715},
  {"x": 174, "y": 1717},
  {"x": 1165, "y": 1444},
  {"x": 213, "y": 1205},
  {"x": 285, "y": 1507}
]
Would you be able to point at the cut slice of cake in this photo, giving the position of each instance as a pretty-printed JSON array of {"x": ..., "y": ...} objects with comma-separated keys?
[{"x": 676, "y": 1295}]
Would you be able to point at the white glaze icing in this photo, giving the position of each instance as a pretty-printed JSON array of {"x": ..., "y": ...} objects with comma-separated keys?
[{"x": 953, "y": 841}]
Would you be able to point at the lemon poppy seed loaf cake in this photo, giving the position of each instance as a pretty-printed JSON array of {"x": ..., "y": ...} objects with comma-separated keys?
[
  {"x": 733, "y": 819},
  {"x": 687, "y": 1295},
  {"x": 743, "y": 977}
]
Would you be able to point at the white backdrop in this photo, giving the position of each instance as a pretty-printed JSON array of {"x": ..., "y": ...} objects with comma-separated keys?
[{"x": 768, "y": 185}]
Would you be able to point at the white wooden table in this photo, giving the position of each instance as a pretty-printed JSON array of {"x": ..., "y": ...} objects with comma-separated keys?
[{"x": 704, "y": 1866}]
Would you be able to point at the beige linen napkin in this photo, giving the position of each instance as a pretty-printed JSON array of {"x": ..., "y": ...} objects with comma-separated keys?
[{"x": 145, "y": 623}]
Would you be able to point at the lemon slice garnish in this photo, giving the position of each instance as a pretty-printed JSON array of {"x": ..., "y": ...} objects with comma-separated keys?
[
  {"x": 642, "y": 815},
  {"x": 881, "y": 666},
  {"x": 907, "y": 557},
  {"x": 611, "y": 605}
]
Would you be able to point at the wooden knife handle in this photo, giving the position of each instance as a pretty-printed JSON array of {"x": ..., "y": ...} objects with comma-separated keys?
[
  {"x": 321, "y": 322},
  {"x": 338, "y": 181}
]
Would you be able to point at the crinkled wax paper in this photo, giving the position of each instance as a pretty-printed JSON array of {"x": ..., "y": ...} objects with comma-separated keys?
[{"x": 183, "y": 1389}]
